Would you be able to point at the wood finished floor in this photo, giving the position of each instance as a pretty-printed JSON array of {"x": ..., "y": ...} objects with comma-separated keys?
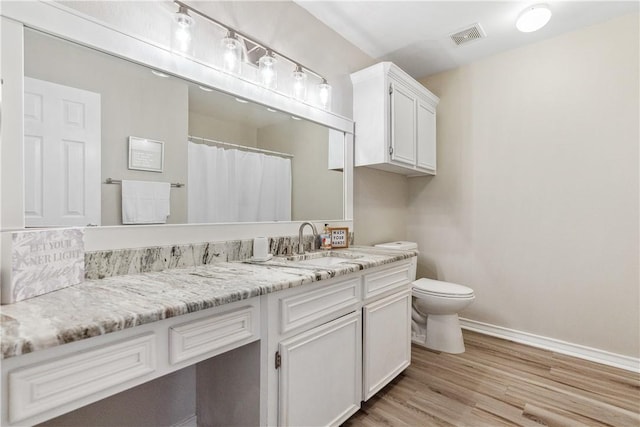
[{"x": 501, "y": 383}]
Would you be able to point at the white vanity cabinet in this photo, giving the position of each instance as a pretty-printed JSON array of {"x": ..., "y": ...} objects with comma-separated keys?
[
  {"x": 395, "y": 121},
  {"x": 387, "y": 326},
  {"x": 317, "y": 352},
  {"x": 44, "y": 384}
]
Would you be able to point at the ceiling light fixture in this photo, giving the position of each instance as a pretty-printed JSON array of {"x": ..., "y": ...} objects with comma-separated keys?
[
  {"x": 182, "y": 25},
  {"x": 299, "y": 89},
  {"x": 232, "y": 53},
  {"x": 533, "y": 18},
  {"x": 324, "y": 93},
  {"x": 267, "y": 70}
]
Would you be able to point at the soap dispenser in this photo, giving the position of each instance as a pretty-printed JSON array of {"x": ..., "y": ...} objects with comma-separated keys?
[{"x": 325, "y": 238}]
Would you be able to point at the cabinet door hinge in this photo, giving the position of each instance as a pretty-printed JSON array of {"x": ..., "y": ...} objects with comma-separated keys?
[
  {"x": 390, "y": 150},
  {"x": 278, "y": 360},
  {"x": 390, "y": 89}
]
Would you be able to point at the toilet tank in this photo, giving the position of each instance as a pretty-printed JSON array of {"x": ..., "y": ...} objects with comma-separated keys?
[{"x": 403, "y": 246}]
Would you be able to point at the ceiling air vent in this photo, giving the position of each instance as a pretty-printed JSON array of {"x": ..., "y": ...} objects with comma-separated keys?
[{"x": 467, "y": 35}]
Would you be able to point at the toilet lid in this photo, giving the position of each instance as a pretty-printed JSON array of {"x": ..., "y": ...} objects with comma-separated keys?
[{"x": 439, "y": 288}]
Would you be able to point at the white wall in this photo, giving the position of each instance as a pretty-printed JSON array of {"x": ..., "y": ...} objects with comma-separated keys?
[
  {"x": 316, "y": 191},
  {"x": 535, "y": 205},
  {"x": 206, "y": 126}
]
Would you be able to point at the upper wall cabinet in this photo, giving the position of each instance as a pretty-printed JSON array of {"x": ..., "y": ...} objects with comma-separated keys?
[{"x": 395, "y": 121}]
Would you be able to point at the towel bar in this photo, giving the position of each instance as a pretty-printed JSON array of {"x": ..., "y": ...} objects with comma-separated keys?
[{"x": 118, "y": 181}]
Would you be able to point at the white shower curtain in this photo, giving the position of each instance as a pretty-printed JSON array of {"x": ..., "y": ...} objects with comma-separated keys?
[{"x": 228, "y": 185}]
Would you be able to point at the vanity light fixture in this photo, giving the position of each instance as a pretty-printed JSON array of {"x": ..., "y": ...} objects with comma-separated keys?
[
  {"x": 324, "y": 92},
  {"x": 237, "y": 47},
  {"x": 182, "y": 25},
  {"x": 231, "y": 53},
  {"x": 299, "y": 87},
  {"x": 533, "y": 18},
  {"x": 160, "y": 74},
  {"x": 267, "y": 70}
]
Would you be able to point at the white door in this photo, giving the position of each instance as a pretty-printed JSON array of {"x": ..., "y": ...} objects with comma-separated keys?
[
  {"x": 62, "y": 155},
  {"x": 387, "y": 341},
  {"x": 403, "y": 125},
  {"x": 321, "y": 374},
  {"x": 426, "y": 136}
]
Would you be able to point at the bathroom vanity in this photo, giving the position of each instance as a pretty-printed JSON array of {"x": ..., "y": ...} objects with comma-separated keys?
[{"x": 312, "y": 336}]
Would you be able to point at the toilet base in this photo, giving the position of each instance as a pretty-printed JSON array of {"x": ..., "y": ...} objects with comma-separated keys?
[{"x": 444, "y": 333}]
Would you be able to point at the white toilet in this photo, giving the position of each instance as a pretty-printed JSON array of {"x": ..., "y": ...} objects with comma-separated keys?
[{"x": 436, "y": 304}]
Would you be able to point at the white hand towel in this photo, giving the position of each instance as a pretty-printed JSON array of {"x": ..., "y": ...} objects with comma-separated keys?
[{"x": 145, "y": 202}]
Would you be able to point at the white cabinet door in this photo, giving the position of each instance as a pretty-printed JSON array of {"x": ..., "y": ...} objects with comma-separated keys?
[
  {"x": 387, "y": 341},
  {"x": 403, "y": 125},
  {"x": 320, "y": 374},
  {"x": 426, "y": 141},
  {"x": 61, "y": 155}
]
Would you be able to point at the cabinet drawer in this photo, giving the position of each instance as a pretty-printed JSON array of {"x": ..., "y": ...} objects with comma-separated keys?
[
  {"x": 44, "y": 386},
  {"x": 305, "y": 308},
  {"x": 213, "y": 335},
  {"x": 385, "y": 281}
]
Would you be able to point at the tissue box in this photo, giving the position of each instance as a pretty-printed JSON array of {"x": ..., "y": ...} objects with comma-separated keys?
[{"x": 35, "y": 262}]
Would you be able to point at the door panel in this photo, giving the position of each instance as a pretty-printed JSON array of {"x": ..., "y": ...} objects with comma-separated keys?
[
  {"x": 426, "y": 137},
  {"x": 320, "y": 375},
  {"x": 62, "y": 155},
  {"x": 403, "y": 125}
]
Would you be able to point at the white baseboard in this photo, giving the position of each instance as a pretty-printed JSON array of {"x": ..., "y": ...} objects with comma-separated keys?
[
  {"x": 189, "y": 422},
  {"x": 558, "y": 346}
]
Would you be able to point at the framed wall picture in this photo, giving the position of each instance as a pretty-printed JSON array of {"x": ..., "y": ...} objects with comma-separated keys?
[
  {"x": 339, "y": 237},
  {"x": 146, "y": 154}
]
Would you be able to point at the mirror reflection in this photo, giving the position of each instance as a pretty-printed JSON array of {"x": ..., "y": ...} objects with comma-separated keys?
[{"x": 240, "y": 162}]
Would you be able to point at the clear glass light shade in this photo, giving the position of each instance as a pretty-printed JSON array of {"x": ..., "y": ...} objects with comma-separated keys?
[
  {"x": 267, "y": 70},
  {"x": 324, "y": 94},
  {"x": 182, "y": 28},
  {"x": 299, "y": 84},
  {"x": 533, "y": 18},
  {"x": 231, "y": 53}
]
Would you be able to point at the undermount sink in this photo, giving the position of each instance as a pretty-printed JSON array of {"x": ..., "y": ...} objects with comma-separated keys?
[{"x": 322, "y": 259}]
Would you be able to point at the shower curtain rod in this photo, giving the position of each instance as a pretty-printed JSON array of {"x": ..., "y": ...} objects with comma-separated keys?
[{"x": 199, "y": 139}]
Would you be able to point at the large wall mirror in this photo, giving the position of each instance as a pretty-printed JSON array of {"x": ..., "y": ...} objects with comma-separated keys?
[{"x": 239, "y": 161}]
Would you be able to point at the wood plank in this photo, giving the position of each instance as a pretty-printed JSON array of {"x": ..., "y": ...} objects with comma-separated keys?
[{"x": 501, "y": 383}]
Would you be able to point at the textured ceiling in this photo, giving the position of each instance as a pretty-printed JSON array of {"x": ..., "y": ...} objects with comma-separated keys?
[{"x": 415, "y": 34}]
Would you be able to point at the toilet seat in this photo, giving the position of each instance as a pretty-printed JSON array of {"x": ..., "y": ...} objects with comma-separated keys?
[{"x": 441, "y": 289}]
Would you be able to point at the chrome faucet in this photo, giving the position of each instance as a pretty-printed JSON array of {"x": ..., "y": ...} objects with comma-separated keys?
[{"x": 300, "y": 243}]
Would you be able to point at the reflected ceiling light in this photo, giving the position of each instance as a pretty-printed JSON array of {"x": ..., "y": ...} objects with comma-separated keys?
[
  {"x": 267, "y": 70},
  {"x": 533, "y": 18},
  {"x": 231, "y": 53},
  {"x": 160, "y": 74},
  {"x": 296, "y": 118},
  {"x": 271, "y": 110},
  {"x": 324, "y": 93},
  {"x": 242, "y": 101},
  {"x": 299, "y": 83},
  {"x": 182, "y": 25},
  {"x": 206, "y": 89}
]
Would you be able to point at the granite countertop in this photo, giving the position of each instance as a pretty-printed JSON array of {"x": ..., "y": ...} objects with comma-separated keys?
[{"x": 98, "y": 307}]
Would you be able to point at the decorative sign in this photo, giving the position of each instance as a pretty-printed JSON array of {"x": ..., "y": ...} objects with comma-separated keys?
[
  {"x": 43, "y": 261},
  {"x": 146, "y": 154},
  {"x": 339, "y": 237}
]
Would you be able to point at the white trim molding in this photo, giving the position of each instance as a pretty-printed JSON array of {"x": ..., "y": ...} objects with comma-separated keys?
[{"x": 558, "y": 346}]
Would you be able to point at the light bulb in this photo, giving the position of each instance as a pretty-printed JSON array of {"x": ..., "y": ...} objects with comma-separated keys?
[
  {"x": 299, "y": 84},
  {"x": 533, "y": 18},
  {"x": 232, "y": 53},
  {"x": 324, "y": 93},
  {"x": 267, "y": 70},
  {"x": 182, "y": 25}
]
